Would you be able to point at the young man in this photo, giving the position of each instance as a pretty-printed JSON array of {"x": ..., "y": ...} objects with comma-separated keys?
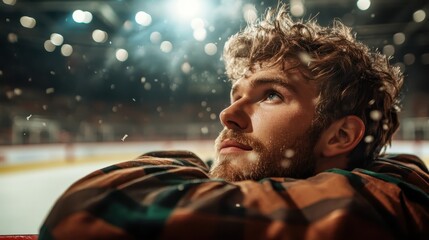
[{"x": 299, "y": 156}]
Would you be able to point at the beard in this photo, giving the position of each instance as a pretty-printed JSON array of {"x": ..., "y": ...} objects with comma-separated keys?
[{"x": 289, "y": 158}]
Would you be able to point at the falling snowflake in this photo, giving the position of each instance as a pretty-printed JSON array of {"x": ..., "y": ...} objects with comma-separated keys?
[
  {"x": 369, "y": 139},
  {"x": 50, "y": 90},
  {"x": 375, "y": 115},
  {"x": 285, "y": 163},
  {"x": 204, "y": 130},
  {"x": 123, "y": 138},
  {"x": 289, "y": 153}
]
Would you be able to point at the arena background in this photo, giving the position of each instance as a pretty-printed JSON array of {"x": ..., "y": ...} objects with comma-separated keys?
[{"x": 84, "y": 84}]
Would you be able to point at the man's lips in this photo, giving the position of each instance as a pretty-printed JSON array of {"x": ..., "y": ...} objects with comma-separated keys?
[{"x": 229, "y": 145}]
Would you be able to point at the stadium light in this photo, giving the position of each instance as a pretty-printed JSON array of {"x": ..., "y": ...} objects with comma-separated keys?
[
  {"x": 185, "y": 9},
  {"x": 363, "y": 4}
]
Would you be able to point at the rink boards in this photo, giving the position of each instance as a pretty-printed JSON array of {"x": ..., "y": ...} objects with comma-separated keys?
[{"x": 27, "y": 157}]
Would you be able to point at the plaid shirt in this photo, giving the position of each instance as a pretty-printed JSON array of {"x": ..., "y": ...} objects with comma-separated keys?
[{"x": 169, "y": 195}]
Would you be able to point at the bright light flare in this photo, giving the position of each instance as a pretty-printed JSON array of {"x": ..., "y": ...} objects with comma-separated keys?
[{"x": 186, "y": 9}]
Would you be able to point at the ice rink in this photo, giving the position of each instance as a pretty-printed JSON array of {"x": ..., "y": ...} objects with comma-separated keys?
[
  {"x": 32, "y": 177},
  {"x": 27, "y": 196}
]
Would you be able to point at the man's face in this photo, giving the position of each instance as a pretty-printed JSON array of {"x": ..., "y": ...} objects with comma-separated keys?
[{"x": 268, "y": 129}]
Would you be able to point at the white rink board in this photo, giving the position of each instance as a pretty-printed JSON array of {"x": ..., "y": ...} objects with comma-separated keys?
[{"x": 10, "y": 155}]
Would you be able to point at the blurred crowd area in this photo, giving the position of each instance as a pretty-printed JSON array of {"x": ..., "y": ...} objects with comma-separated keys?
[
  {"x": 28, "y": 116},
  {"x": 112, "y": 71}
]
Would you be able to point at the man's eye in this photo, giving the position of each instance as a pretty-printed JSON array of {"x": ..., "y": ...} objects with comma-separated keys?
[{"x": 273, "y": 96}]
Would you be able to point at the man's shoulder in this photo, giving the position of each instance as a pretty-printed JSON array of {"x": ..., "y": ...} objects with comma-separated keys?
[
  {"x": 403, "y": 166},
  {"x": 407, "y": 172},
  {"x": 409, "y": 160}
]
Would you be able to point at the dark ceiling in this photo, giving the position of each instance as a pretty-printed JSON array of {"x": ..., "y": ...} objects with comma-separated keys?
[{"x": 93, "y": 72}]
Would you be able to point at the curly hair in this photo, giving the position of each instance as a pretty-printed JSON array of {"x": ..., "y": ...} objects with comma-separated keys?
[{"x": 351, "y": 79}]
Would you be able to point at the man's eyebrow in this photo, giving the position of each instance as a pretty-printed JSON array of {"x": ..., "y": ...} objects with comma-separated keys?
[
  {"x": 266, "y": 80},
  {"x": 273, "y": 80}
]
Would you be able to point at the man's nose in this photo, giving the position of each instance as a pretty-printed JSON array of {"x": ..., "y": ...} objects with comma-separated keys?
[{"x": 235, "y": 117}]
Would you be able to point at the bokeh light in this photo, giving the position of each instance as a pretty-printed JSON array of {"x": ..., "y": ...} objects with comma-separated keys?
[
  {"x": 143, "y": 18},
  {"x": 186, "y": 67},
  {"x": 121, "y": 55},
  {"x": 389, "y": 50},
  {"x": 409, "y": 59},
  {"x": 363, "y": 4},
  {"x": 57, "y": 39},
  {"x": 27, "y": 22},
  {"x": 200, "y": 34},
  {"x": 66, "y": 50},
  {"x": 99, "y": 36},
  {"x": 210, "y": 49},
  {"x": 9, "y": 2},
  {"x": 49, "y": 46},
  {"x": 155, "y": 37},
  {"x": 12, "y": 38},
  {"x": 419, "y": 16},
  {"x": 166, "y": 46},
  {"x": 399, "y": 38},
  {"x": 250, "y": 13},
  {"x": 197, "y": 23},
  {"x": 80, "y": 16},
  {"x": 297, "y": 8}
]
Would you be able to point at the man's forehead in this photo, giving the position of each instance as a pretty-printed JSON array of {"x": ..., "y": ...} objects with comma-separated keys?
[{"x": 285, "y": 72}]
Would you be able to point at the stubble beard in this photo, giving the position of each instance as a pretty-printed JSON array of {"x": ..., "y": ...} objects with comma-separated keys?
[{"x": 294, "y": 158}]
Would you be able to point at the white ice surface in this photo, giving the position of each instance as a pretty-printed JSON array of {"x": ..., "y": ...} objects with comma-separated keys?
[{"x": 26, "y": 197}]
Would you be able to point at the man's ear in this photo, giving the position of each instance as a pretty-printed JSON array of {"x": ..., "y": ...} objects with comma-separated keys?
[{"x": 342, "y": 136}]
